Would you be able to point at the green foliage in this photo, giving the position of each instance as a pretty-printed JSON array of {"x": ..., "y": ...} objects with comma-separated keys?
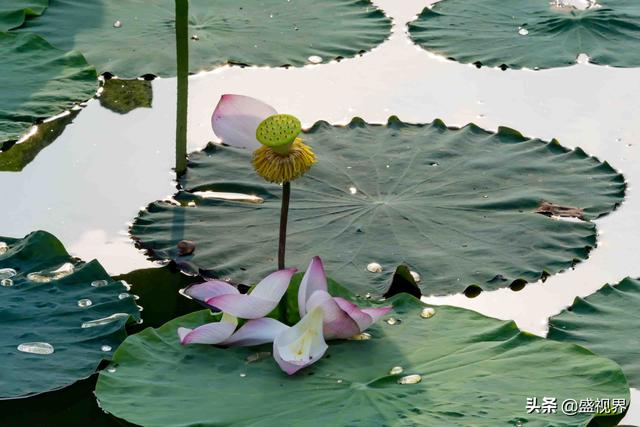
[{"x": 458, "y": 206}]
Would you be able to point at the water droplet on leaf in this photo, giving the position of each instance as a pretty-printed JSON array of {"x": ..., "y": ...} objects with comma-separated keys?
[
  {"x": 105, "y": 320},
  {"x": 99, "y": 283},
  {"x": 415, "y": 276},
  {"x": 393, "y": 321},
  {"x": 84, "y": 303},
  {"x": 315, "y": 59},
  {"x": 374, "y": 267},
  {"x": 410, "y": 379},
  {"x": 361, "y": 337},
  {"x": 36, "y": 348},
  {"x": 47, "y": 276},
  {"x": 7, "y": 273},
  {"x": 427, "y": 313},
  {"x": 396, "y": 370}
]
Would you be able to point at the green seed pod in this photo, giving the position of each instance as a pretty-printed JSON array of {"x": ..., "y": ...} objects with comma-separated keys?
[{"x": 278, "y": 130}]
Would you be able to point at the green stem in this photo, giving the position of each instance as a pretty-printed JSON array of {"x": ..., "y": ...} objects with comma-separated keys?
[
  {"x": 182, "y": 55},
  {"x": 284, "y": 213}
]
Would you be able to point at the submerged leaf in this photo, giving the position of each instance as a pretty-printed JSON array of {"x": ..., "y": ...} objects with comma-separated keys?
[
  {"x": 38, "y": 82},
  {"x": 123, "y": 96},
  {"x": 130, "y": 38},
  {"x": 16, "y": 157},
  {"x": 455, "y": 205},
  {"x": 531, "y": 33}
]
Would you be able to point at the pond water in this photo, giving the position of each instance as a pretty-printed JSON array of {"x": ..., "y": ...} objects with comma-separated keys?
[{"x": 91, "y": 182}]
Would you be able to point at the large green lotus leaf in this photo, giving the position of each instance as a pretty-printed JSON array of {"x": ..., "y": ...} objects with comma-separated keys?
[
  {"x": 530, "y": 33},
  {"x": 14, "y": 12},
  {"x": 18, "y": 156},
  {"x": 474, "y": 370},
  {"x": 607, "y": 323},
  {"x": 130, "y": 38},
  {"x": 38, "y": 81},
  {"x": 53, "y": 313},
  {"x": 457, "y": 205}
]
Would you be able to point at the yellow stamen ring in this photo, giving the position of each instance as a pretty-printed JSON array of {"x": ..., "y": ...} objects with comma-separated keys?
[{"x": 276, "y": 167}]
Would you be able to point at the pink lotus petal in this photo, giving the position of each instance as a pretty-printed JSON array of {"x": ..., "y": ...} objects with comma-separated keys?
[
  {"x": 336, "y": 322},
  {"x": 236, "y": 119},
  {"x": 210, "y": 333},
  {"x": 361, "y": 318},
  {"x": 243, "y": 306},
  {"x": 210, "y": 289},
  {"x": 256, "y": 332},
  {"x": 302, "y": 344},
  {"x": 260, "y": 302},
  {"x": 377, "y": 312},
  {"x": 274, "y": 286},
  {"x": 314, "y": 279}
]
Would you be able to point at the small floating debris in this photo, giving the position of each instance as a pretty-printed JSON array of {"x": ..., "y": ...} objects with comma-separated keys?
[
  {"x": 106, "y": 348},
  {"x": 3, "y": 248},
  {"x": 117, "y": 24},
  {"x": 186, "y": 247},
  {"x": 6, "y": 283},
  {"x": 523, "y": 31},
  {"x": 315, "y": 59},
  {"x": 396, "y": 370}
]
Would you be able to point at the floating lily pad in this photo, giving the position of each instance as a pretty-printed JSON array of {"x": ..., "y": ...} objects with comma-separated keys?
[
  {"x": 472, "y": 370},
  {"x": 458, "y": 206},
  {"x": 130, "y": 38},
  {"x": 607, "y": 323},
  {"x": 18, "y": 156},
  {"x": 531, "y": 33},
  {"x": 124, "y": 96},
  {"x": 44, "y": 345},
  {"x": 14, "y": 12},
  {"x": 38, "y": 81}
]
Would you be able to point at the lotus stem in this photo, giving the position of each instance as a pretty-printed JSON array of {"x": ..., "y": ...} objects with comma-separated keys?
[
  {"x": 182, "y": 55},
  {"x": 284, "y": 214}
]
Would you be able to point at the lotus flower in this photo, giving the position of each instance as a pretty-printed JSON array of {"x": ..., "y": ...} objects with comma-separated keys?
[
  {"x": 293, "y": 347},
  {"x": 322, "y": 317},
  {"x": 260, "y": 302},
  {"x": 245, "y": 122},
  {"x": 342, "y": 318}
]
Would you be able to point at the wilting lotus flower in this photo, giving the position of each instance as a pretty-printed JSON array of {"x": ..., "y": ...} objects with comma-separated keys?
[
  {"x": 322, "y": 316},
  {"x": 260, "y": 302},
  {"x": 245, "y": 122},
  {"x": 342, "y": 318}
]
